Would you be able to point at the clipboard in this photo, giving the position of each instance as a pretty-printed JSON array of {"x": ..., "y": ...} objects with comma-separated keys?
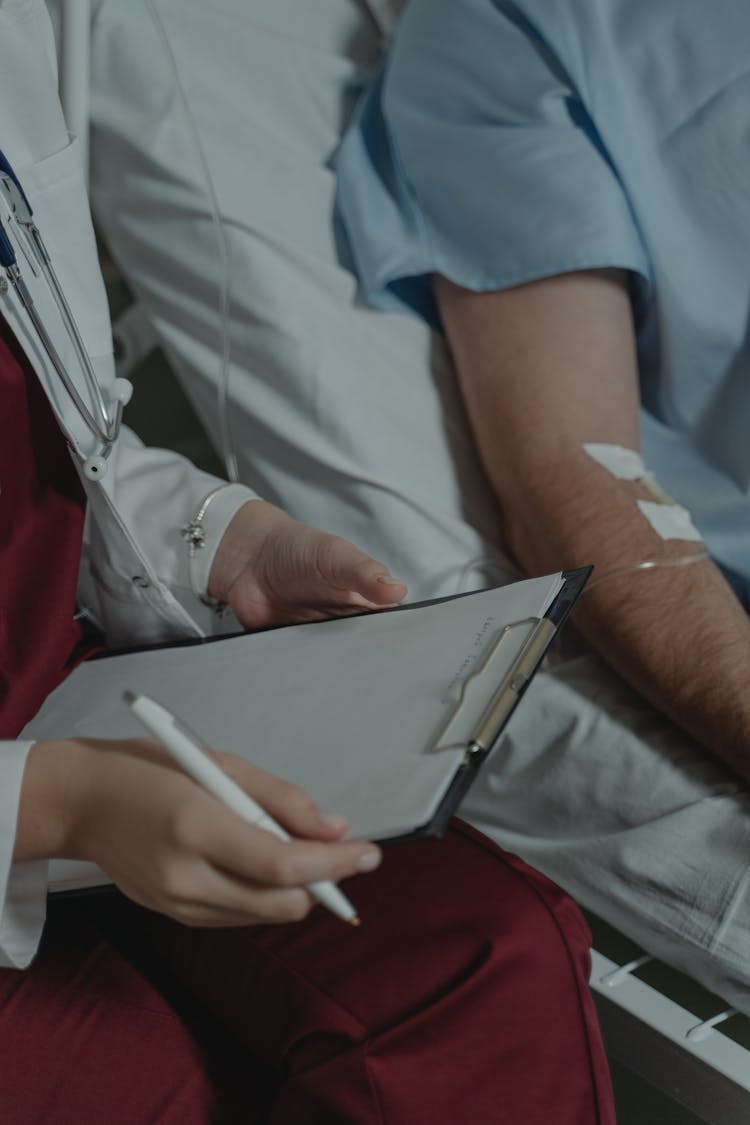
[
  {"x": 385, "y": 718},
  {"x": 487, "y": 728}
]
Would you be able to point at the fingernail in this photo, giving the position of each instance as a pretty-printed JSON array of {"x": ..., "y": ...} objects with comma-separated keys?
[
  {"x": 389, "y": 580},
  {"x": 369, "y": 861},
  {"x": 333, "y": 820}
]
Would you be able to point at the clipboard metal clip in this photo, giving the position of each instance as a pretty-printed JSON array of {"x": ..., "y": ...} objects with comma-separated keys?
[{"x": 492, "y": 719}]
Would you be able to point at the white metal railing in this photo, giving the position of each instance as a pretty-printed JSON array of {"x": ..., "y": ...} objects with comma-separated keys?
[{"x": 689, "y": 1059}]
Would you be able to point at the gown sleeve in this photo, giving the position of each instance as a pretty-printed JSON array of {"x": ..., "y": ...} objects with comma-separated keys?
[
  {"x": 23, "y": 886},
  {"x": 472, "y": 156}
]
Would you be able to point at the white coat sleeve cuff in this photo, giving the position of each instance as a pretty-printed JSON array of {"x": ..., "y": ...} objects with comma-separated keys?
[
  {"x": 219, "y": 512},
  {"x": 23, "y": 886}
]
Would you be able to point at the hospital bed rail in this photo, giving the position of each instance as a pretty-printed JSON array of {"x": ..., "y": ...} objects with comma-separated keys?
[{"x": 660, "y": 1024}]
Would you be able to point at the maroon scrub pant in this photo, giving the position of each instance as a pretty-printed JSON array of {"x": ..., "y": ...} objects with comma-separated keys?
[{"x": 463, "y": 997}]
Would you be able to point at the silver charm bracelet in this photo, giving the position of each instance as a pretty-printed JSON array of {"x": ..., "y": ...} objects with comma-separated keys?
[{"x": 194, "y": 534}]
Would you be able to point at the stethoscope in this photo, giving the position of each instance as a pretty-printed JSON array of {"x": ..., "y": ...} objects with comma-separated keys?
[{"x": 103, "y": 420}]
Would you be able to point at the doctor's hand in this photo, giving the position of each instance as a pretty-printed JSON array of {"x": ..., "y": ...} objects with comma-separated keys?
[
  {"x": 172, "y": 847},
  {"x": 271, "y": 569}
]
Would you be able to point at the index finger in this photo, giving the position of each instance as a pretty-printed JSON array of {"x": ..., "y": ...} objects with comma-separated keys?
[
  {"x": 257, "y": 856},
  {"x": 288, "y": 804}
]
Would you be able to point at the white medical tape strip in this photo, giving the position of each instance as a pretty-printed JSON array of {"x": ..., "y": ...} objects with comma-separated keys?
[
  {"x": 626, "y": 464},
  {"x": 668, "y": 519},
  {"x": 623, "y": 463},
  {"x": 671, "y": 521}
]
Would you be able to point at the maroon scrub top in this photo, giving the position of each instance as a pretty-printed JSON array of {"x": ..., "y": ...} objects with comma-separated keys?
[{"x": 42, "y": 505}]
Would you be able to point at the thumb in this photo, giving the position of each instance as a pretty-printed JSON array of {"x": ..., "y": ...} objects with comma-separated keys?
[{"x": 358, "y": 578}]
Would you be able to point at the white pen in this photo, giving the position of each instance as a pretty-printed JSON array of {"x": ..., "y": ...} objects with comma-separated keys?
[{"x": 182, "y": 746}]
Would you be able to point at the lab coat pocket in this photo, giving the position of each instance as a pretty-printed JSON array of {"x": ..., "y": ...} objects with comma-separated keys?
[{"x": 56, "y": 190}]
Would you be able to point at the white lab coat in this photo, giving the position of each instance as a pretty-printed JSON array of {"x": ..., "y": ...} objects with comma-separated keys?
[{"x": 134, "y": 579}]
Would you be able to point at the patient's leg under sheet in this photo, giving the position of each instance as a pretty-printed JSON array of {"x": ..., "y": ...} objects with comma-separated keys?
[
  {"x": 351, "y": 419},
  {"x": 599, "y": 791}
]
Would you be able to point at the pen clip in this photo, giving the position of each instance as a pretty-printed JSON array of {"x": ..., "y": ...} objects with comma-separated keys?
[
  {"x": 7, "y": 253},
  {"x": 15, "y": 196},
  {"x": 181, "y": 726},
  {"x": 478, "y": 737}
]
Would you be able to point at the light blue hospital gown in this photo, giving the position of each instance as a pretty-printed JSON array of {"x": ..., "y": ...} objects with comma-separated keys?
[{"x": 504, "y": 142}]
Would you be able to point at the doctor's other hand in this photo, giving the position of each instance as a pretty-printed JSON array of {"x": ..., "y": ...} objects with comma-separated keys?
[
  {"x": 271, "y": 569},
  {"x": 171, "y": 846}
]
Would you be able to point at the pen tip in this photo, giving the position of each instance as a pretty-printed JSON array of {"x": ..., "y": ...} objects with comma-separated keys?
[
  {"x": 354, "y": 920},
  {"x": 129, "y": 696}
]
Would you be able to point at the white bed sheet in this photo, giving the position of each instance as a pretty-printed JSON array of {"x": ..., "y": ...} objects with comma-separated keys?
[{"x": 351, "y": 419}]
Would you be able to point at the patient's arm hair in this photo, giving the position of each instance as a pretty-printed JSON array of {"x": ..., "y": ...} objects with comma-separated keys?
[{"x": 544, "y": 368}]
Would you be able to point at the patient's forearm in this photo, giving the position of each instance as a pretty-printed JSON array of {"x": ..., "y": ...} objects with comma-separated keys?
[
  {"x": 545, "y": 368},
  {"x": 678, "y": 635}
]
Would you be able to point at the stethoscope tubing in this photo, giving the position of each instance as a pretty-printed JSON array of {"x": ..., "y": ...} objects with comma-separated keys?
[
  {"x": 14, "y": 276},
  {"x": 45, "y": 261},
  {"x": 106, "y": 427}
]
